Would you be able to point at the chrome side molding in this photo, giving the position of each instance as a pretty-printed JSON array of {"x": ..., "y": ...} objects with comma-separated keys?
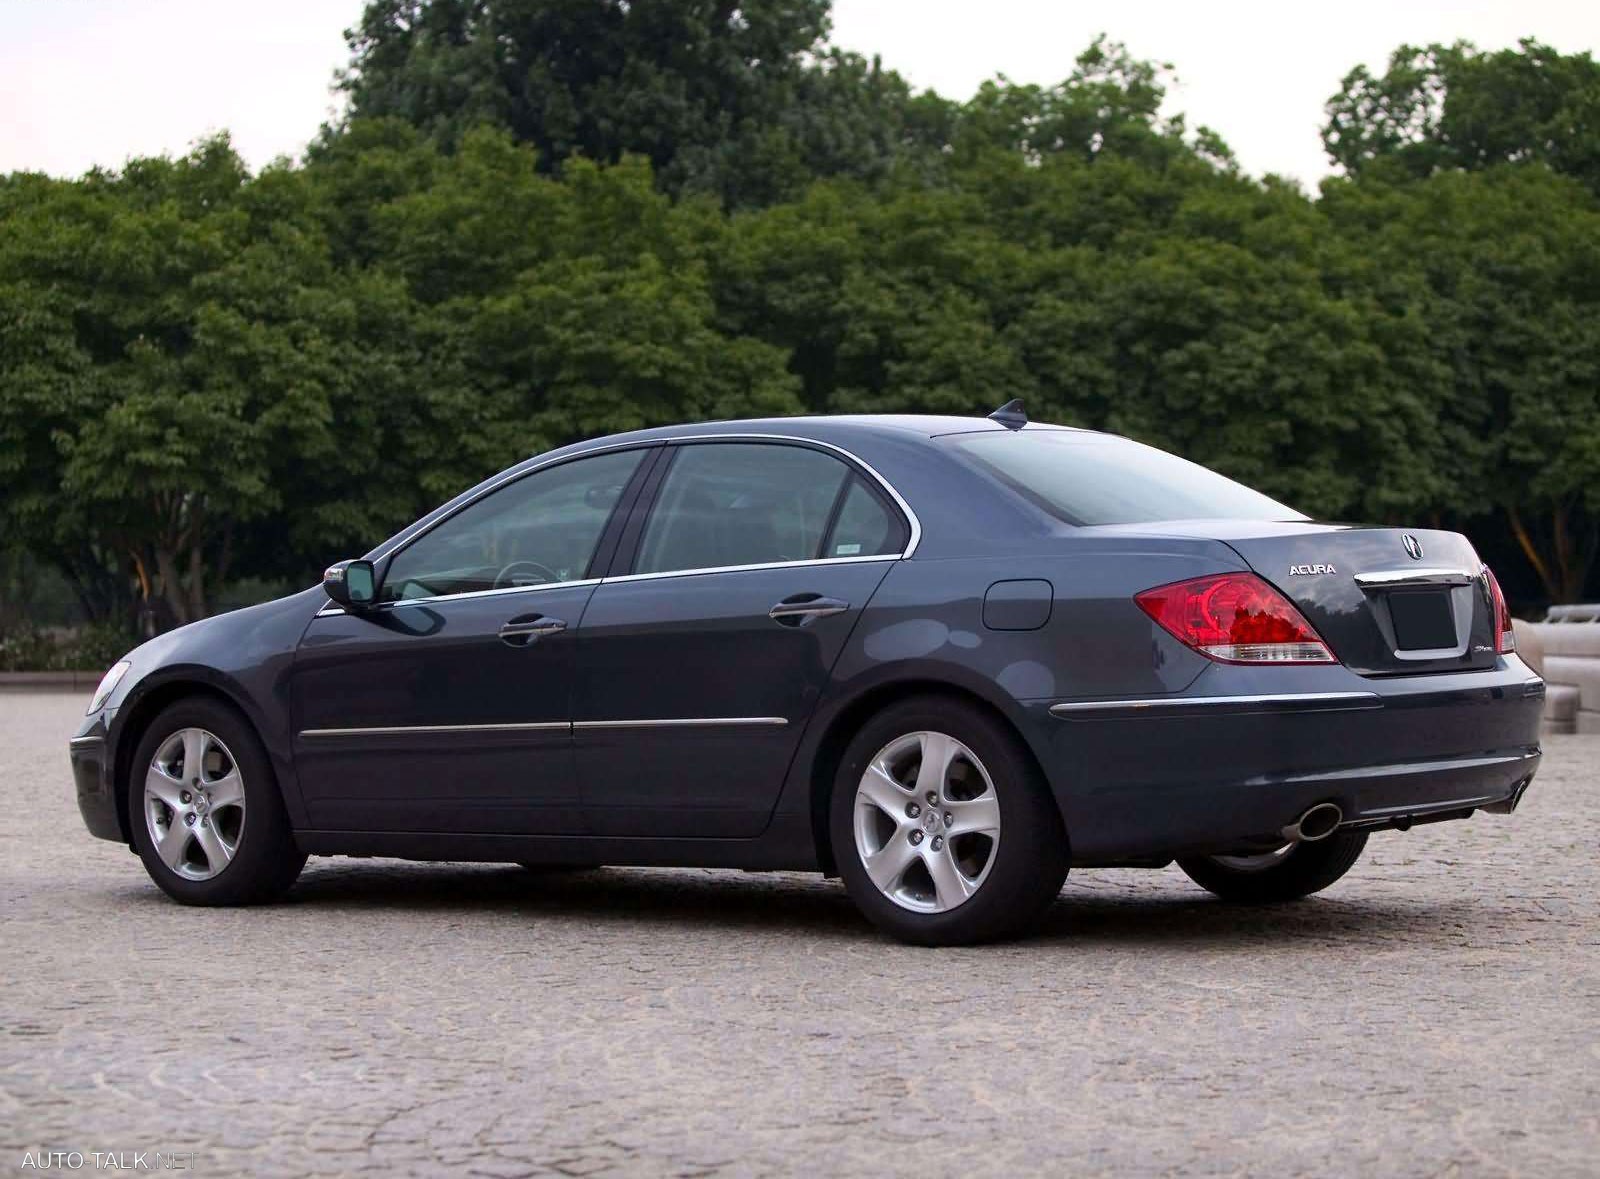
[
  {"x": 548, "y": 726},
  {"x": 1186, "y": 705},
  {"x": 395, "y": 730},
  {"x": 687, "y": 722}
]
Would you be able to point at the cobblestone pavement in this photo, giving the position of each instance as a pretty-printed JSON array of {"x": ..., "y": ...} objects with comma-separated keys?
[{"x": 1435, "y": 1013}]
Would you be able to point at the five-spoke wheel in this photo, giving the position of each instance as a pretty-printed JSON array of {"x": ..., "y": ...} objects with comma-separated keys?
[
  {"x": 927, "y": 822},
  {"x": 194, "y": 804},
  {"x": 920, "y": 800},
  {"x": 206, "y": 814}
]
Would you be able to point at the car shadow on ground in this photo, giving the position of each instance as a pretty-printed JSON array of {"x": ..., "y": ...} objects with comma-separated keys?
[{"x": 1096, "y": 908}]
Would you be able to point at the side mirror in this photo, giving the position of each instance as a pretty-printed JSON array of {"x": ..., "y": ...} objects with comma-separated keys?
[{"x": 351, "y": 583}]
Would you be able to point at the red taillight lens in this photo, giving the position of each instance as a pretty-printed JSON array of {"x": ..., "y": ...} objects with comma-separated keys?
[
  {"x": 1505, "y": 638},
  {"x": 1235, "y": 618}
]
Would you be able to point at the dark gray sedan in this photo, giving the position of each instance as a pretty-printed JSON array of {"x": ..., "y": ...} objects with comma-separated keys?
[{"x": 944, "y": 658}]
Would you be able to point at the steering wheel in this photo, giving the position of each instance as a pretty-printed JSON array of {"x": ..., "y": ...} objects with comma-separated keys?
[{"x": 509, "y": 575}]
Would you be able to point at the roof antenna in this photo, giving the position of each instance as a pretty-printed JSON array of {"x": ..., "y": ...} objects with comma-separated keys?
[{"x": 1011, "y": 415}]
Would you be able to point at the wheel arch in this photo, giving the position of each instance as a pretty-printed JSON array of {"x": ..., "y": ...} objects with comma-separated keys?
[
  {"x": 141, "y": 713},
  {"x": 847, "y": 720}
]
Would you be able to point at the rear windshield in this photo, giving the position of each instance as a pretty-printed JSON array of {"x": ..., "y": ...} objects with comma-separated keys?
[{"x": 1085, "y": 478}]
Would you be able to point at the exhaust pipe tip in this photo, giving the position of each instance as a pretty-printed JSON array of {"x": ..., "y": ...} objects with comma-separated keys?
[{"x": 1318, "y": 822}]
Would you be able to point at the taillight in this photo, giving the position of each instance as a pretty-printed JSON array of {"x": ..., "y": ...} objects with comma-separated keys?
[
  {"x": 1505, "y": 638},
  {"x": 1235, "y": 618}
]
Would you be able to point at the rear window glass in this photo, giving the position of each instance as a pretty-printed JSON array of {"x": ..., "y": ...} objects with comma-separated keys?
[{"x": 1085, "y": 478}]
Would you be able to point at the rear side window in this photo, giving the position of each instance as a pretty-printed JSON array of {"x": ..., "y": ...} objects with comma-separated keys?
[
  {"x": 865, "y": 526},
  {"x": 740, "y": 504},
  {"x": 1086, "y": 479}
]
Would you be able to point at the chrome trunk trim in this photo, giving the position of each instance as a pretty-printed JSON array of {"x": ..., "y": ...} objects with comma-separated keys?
[{"x": 1384, "y": 578}]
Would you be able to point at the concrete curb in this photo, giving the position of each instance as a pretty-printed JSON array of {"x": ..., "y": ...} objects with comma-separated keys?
[{"x": 34, "y": 680}]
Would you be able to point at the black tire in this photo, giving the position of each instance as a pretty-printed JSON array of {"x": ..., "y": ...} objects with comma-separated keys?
[
  {"x": 1029, "y": 859},
  {"x": 266, "y": 861},
  {"x": 1305, "y": 869}
]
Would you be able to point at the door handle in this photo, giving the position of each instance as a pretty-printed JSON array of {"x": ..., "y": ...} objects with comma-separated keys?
[
  {"x": 529, "y": 629},
  {"x": 802, "y": 609}
]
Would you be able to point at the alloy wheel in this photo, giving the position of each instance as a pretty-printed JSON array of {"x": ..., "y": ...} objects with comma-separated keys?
[
  {"x": 927, "y": 822},
  {"x": 194, "y": 804}
]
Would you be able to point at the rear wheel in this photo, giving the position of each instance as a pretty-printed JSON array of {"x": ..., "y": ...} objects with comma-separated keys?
[
  {"x": 1292, "y": 871},
  {"x": 943, "y": 831},
  {"x": 207, "y": 818}
]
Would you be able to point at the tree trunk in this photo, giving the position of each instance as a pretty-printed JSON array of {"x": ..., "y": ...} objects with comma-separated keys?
[
  {"x": 171, "y": 588},
  {"x": 1563, "y": 564}
]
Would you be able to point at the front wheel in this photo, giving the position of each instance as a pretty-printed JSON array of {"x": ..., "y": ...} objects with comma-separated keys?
[
  {"x": 1293, "y": 871},
  {"x": 942, "y": 828},
  {"x": 207, "y": 818}
]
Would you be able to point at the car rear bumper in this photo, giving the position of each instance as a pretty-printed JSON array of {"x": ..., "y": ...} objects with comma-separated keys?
[
  {"x": 92, "y": 777},
  {"x": 1230, "y": 763}
]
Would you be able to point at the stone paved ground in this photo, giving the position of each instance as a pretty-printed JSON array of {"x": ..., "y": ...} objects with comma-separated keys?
[{"x": 1436, "y": 1013}]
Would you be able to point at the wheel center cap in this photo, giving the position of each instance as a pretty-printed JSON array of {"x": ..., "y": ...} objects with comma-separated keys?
[
  {"x": 201, "y": 804},
  {"x": 930, "y": 819}
]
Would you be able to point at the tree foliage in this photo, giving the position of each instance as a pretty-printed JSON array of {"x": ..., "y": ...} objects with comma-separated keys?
[
  {"x": 548, "y": 220},
  {"x": 1442, "y": 107}
]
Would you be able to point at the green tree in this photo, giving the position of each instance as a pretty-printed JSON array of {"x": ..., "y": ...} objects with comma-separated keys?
[
  {"x": 744, "y": 101},
  {"x": 1450, "y": 106}
]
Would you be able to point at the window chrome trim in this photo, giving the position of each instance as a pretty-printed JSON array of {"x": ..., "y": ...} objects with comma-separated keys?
[
  {"x": 687, "y": 722},
  {"x": 335, "y": 608},
  {"x": 914, "y": 537},
  {"x": 1178, "y": 705},
  {"x": 395, "y": 730},
  {"x": 742, "y": 568}
]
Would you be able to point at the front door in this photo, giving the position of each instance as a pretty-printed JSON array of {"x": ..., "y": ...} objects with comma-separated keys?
[
  {"x": 447, "y": 706},
  {"x": 699, "y": 666}
]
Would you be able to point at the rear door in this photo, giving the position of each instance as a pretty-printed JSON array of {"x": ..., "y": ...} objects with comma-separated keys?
[{"x": 700, "y": 662}]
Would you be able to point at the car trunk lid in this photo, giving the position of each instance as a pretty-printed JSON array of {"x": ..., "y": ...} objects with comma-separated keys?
[{"x": 1387, "y": 601}]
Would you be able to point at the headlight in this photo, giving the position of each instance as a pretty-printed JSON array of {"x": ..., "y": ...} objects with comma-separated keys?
[{"x": 108, "y": 685}]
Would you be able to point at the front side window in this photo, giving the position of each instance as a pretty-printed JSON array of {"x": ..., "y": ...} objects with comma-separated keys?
[
  {"x": 1086, "y": 478},
  {"x": 731, "y": 503},
  {"x": 542, "y": 528}
]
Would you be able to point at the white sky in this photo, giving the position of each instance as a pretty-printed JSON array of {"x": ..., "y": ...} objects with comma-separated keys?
[{"x": 85, "y": 82}]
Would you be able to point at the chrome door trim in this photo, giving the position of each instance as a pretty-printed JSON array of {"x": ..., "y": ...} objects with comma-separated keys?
[
  {"x": 1397, "y": 577},
  {"x": 1177, "y": 705},
  {"x": 687, "y": 722},
  {"x": 395, "y": 730},
  {"x": 550, "y": 726}
]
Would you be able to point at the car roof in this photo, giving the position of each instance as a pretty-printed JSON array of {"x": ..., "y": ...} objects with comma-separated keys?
[
  {"x": 823, "y": 427},
  {"x": 895, "y": 445}
]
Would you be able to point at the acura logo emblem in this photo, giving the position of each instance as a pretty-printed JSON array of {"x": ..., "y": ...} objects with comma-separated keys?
[{"x": 1413, "y": 546}]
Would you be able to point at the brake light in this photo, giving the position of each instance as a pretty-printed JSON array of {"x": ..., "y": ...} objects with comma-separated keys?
[
  {"x": 1235, "y": 618},
  {"x": 1505, "y": 638}
]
